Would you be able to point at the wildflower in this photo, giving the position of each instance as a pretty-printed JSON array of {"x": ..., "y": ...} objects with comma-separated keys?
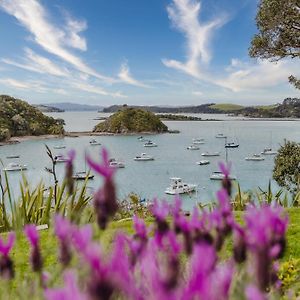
[
  {"x": 82, "y": 237},
  {"x": 240, "y": 247},
  {"x": 160, "y": 211},
  {"x": 70, "y": 291},
  {"x": 33, "y": 237},
  {"x": 105, "y": 201},
  {"x": 253, "y": 293},
  {"x": 6, "y": 263},
  {"x": 69, "y": 171},
  {"x": 226, "y": 182},
  {"x": 63, "y": 231},
  {"x": 266, "y": 228}
]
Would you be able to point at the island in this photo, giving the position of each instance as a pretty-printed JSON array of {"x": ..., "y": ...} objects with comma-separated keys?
[
  {"x": 130, "y": 121},
  {"x": 18, "y": 118},
  {"x": 48, "y": 109},
  {"x": 173, "y": 117}
]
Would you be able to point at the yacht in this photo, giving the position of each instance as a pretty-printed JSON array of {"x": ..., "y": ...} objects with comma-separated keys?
[
  {"x": 255, "y": 157},
  {"x": 60, "y": 159},
  {"x": 231, "y": 145},
  {"x": 150, "y": 144},
  {"x": 221, "y": 136},
  {"x": 210, "y": 154},
  {"x": 142, "y": 139},
  {"x": 83, "y": 176},
  {"x": 198, "y": 141},
  {"x": 13, "y": 156},
  {"x": 179, "y": 187},
  {"x": 15, "y": 167},
  {"x": 94, "y": 142},
  {"x": 218, "y": 175},
  {"x": 203, "y": 162},
  {"x": 59, "y": 147},
  {"x": 193, "y": 147},
  {"x": 143, "y": 157},
  {"x": 113, "y": 163},
  {"x": 269, "y": 151}
]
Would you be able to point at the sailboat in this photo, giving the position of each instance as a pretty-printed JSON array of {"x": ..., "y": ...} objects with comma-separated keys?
[
  {"x": 268, "y": 150},
  {"x": 83, "y": 175}
]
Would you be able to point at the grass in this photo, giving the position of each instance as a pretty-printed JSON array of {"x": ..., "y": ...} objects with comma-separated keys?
[{"x": 227, "y": 107}]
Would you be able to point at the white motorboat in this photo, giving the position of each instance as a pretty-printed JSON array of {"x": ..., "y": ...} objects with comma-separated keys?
[
  {"x": 59, "y": 147},
  {"x": 60, "y": 159},
  {"x": 255, "y": 157},
  {"x": 143, "y": 157},
  {"x": 179, "y": 187},
  {"x": 150, "y": 144},
  {"x": 94, "y": 142},
  {"x": 208, "y": 154},
  {"x": 269, "y": 151},
  {"x": 13, "y": 156},
  {"x": 221, "y": 136},
  {"x": 193, "y": 147},
  {"x": 203, "y": 162},
  {"x": 15, "y": 167},
  {"x": 198, "y": 141},
  {"x": 231, "y": 145},
  {"x": 83, "y": 176},
  {"x": 113, "y": 163},
  {"x": 218, "y": 175}
]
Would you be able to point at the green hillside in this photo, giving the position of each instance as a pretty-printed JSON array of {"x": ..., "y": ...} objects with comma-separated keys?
[
  {"x": 227, "y": 107},
  {"x": 18, "y": 118}
]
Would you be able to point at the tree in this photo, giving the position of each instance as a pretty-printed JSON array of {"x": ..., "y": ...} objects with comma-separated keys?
[
  {"x": 286, "y": 171},
  {"x": 278, "y": 22}
]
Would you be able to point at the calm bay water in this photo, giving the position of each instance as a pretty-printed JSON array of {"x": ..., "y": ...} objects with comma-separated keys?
[{"x": 149, "y": 179}]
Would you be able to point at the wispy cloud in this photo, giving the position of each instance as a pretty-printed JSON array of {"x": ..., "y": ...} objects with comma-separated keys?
[
  {"x": 38, "y": 64},
  {"x": 126, "y": 77},
  {"x": 185, "y": 16},
  {"x": 197, "y": 93},
  {"x": 261, "y": 75},
  {"x": 24, "y": 85},
  {"x": 33, "y": 16}
]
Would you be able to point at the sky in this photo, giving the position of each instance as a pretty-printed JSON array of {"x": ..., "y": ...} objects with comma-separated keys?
[{"x": 139, "y": 52}]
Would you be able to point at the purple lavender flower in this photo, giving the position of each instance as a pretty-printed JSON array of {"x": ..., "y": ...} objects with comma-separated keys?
[
  {"x": 70, "y": 291},
  {"x": 160, "y": 212},
  {"x": 6, "y": 263},
  {"x": 63, "y": 230},
  {"x": 253, "y": 293},
  {"x": 33, "y": 238},
  {"x": 82, "y": 237},
  {"x": 105, "y": 201},
  {"x": 226, "y": 182}
]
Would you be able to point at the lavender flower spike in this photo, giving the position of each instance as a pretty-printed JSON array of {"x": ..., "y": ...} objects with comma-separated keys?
[{"x": 6, "y": 263}]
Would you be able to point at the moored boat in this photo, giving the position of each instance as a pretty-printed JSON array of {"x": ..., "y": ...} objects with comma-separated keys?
[
  {"x": 193, "y": 147},
  {"x": 94, "y": 142},
  {"x": 231, "y": 145},
  {"x": 15, "y": 167},
  {"x": 203, "y": 162},
  {"x": 60, "y": 159},
  {"x": 83, "y": 176},
  {"x": 198, "y": 141},
  {"x": 218, "y": 175},
  {"x": 143, "y": 157},
  {"x": 113, "y": 163},
  {"x": 208, "y": 154},
  {"x": 150, "y": 144},
  {"x": 221, "y": 136},
  {"x": 179, "y": 187},
  {"x": 255, "y": 157},
  {"x": 13, "y": 156},
  {"x": 59, "y": 147},
  {"x": 269, "y": 151}
]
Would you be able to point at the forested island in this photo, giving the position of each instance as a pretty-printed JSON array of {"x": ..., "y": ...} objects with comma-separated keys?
[
  {"x": 131, "y": 120},
  {"x": 173, "y": 117},
  {"x": 18, "y": 118},
  {"x": 289, "y": 108}
]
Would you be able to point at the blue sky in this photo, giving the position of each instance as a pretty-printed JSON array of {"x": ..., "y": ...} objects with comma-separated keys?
[{"x": 154, "y": 52}]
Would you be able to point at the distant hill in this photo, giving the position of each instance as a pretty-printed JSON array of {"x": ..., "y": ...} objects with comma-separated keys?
[
  {"x": 67, "y": 106},
  {"x": 227, "y": 107},
  {"x": 45, "y": 108},
  {"x": 131, "y": 120},
  {"x": 18, "y": 118}
]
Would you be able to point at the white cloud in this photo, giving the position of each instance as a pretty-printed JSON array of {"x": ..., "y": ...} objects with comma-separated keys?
[
  {"x": 261, "y": 75},
  {"x": 32, "y": 15},
  {"x": 126, "y": 77},
  {"x": 39, "y": 64},
  {"x": 197, "y": 93},
  {"x": 185, "y": 14},
  {"x": 24, "y": 85},
  {"x": 95, "y": 89}
]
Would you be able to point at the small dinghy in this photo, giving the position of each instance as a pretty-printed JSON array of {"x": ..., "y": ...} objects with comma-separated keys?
[
  {"x": 208, "y": 154},
  {"x": 203, "y": 162},
  {"x": 83, "y": 176},
  {"x": 143, "y": 157},
  {"x": 15, "y": 167},
  {"x": 59, "y": 147},
  {"x": 198, "y": 141},
  {"x": 269, "y": 151},
  {"x": 113, "y": 163},
  {"x": 255, "y": 157},
  {"x": 13, "y": 156},
  {"x": 94, "y": 142},
  {"x": 60, "y": 159},
  {"x": 217, "y": 175},
  {"x": 150, "y": 144},
  {"x": 193, "y": 147}
]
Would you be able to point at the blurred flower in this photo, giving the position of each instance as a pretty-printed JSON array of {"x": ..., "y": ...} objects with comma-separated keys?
[
  {"x": 70, "y": 291},
  {"x": 105, "y": 201},
  {"x": 82, "y": 237},
  {"x": 69, "y": 171},
  {"x": 226, "y": 182},
  {"x": 253, "y": 293},
  {"x": 63, "y": 230},
  {"x": 6, "y": 263},
  {"x": 35, "y": 258}
]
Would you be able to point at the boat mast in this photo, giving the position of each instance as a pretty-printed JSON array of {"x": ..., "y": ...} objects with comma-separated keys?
[{"x": 226, "y": 151}]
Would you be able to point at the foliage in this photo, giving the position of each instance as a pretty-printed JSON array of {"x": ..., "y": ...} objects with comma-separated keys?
[
  {"x": 229, "y": 107},
  {"x": 279, "y": 31},
  {"x": 286, "y": 170},
  {"x": 172, "y": 117},
  {"x": 129, "y": 120},
  {"x": 18, "y": 118}
]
